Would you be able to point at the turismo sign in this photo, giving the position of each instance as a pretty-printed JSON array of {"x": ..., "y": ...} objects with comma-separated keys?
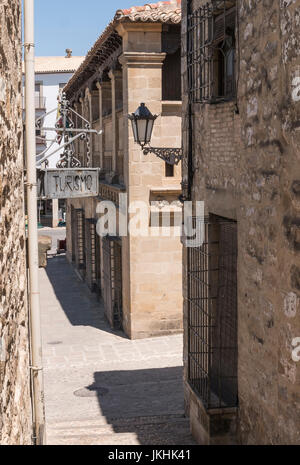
[{"x": 68, "y": 183}]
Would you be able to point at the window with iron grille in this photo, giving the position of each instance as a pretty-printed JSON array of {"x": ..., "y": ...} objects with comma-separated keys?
[
  {"x": 97, "y": 262},
  {"x": 112, "y": 280},
  {"x": 117, "y": 284},
  {"x": 73, "y": 232},
  {"x": 80, "y": 239},
  {"x": 90, "y": 252},
  {"x": 211, "y": 52},
  {"x": 212, "y": 315}
]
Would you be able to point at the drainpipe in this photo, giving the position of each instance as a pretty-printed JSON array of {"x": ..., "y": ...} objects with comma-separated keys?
[{"x": 31, "y": 183}]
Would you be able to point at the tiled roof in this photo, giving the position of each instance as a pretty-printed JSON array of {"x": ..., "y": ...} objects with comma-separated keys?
[
  {"x": 168, "y": 12},
  {"x": 44, "y": 65}
]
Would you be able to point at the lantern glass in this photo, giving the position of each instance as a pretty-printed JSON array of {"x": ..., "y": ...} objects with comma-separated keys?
[
  {"x": 142, "y": 125},
  {"x": 134, "y": 130},
  {"x": 142, "y": 131},
  {"x": 149, "y": 130}
]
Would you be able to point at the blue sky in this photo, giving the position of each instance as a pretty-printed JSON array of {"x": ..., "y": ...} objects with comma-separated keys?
[{"x": 75, "y": 24}]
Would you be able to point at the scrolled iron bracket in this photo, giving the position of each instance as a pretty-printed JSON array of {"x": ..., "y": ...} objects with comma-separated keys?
[{"x": 172, "y": 156}]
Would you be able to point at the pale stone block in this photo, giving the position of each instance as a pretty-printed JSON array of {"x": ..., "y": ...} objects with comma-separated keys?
[{"x": 135, "y": 180}]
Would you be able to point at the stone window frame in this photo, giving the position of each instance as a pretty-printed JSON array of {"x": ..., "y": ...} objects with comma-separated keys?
[{"x": 211, "y": 41}]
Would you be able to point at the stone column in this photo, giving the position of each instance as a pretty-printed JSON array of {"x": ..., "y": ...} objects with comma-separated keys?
[
  {"x": 99, "y": 87},
  {"x": 81, "y": 143},
  {"x": 106, "y": 102},
  {"x": 106, "y": 97},
  {"x": 142, "y": 78},
  {"x": 76, "y": 123},
  {"x": 55, "y": 218},
  {"x": 142, "y": 62},
  {"x": 115, "y": 76},
  {"x": 89, "y": 113},
  {"x": 95, "y": 116}
]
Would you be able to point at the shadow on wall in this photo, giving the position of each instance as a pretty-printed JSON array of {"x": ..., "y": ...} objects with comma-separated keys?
[
  {"x": 146, "y": 402},
  {"x": 82, "y": 308}
]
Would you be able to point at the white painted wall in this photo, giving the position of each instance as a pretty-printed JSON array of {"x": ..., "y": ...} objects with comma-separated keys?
[{"x": 50, "y": 90}]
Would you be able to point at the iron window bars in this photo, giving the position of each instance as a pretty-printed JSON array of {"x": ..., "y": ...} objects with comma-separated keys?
[
  {"x": 80, "y": 239},
  {"x": 117, "y": 284},
  {"x": 212, "y": 315},
  {"x": 91, "y": 253},
  {"x": 97, "y": 262},
  {"x": 73, "y": 232},
  {"x": 112, "y": 280},
  {"x": 211, "y": 52}
]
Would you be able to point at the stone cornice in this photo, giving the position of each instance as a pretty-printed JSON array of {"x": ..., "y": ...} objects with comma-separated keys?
[{"x": 142, "y": 58}]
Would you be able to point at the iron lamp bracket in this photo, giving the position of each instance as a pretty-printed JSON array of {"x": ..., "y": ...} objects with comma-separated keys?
[{"x": 172, "y": 156}]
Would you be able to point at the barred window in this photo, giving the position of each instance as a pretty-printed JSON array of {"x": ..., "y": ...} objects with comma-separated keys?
[
  {"x": 112, "y": 280},
  {"x": 211, "y": 52},
  {"x": 80, "y": 239},
  {"x": 212, "y": 314}
]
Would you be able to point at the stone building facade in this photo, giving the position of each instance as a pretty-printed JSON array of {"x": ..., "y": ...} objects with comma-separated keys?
[
  {"x": 15, "y": 409},
  {"x": 136, "y": 59},
  {"x": 241, "y": 107}
]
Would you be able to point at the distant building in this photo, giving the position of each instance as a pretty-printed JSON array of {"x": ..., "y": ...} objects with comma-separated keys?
[{"x": 52, "y": 74}]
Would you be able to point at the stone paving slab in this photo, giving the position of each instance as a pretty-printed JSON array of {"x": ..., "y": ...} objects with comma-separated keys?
[{"x": 94, "y": 374}]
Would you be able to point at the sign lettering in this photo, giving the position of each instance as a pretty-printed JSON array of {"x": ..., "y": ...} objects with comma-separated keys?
[{"x": 69, "y": 183}]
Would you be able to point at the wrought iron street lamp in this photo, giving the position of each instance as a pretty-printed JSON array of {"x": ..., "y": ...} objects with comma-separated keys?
[{"x": 142, "y": 122}]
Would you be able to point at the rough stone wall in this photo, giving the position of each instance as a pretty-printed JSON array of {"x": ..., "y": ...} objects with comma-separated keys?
[
  {"x": 247, "y": 168},
  {"x": 15, "y": 412}
]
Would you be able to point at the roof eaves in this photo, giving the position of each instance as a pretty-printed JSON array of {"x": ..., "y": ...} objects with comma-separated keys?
[
  {"x": 108, "y": 31},
  {"x": 168, "y": 12},
  {"x": 55, "y": 71}
]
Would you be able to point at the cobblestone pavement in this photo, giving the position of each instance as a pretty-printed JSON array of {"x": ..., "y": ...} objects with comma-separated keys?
[{"x": 100, "y": 387}]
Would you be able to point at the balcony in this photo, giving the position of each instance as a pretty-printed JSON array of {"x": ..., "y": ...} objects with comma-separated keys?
[{"x": 111, "y": 192}]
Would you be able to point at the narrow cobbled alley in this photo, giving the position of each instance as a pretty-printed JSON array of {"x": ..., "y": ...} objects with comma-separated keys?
[{"x": 100, "y": 387}]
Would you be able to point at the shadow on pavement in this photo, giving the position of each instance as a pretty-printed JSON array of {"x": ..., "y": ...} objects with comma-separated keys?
[
  {"x": 80, "y": 305},
  {"x": 146, "y": 402}
]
